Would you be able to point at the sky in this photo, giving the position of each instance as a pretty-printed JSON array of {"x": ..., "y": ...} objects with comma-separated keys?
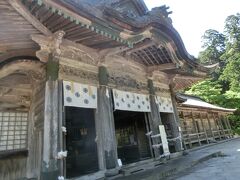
[{"x": 191, "y": 18}]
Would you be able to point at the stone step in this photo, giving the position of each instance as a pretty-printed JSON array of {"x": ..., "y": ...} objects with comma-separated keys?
[{"x": 141, "y": 166}]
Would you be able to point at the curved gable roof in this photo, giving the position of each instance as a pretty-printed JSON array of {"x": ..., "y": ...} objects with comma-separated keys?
[{"x": 197, "y": 102}]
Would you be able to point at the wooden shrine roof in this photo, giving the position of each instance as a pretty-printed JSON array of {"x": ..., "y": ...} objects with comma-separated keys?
[
  {"x": 146, "y": 37},
  {"x": 194, "y": 102},
  {"x": 149, "y": 36},
  {"x": 15, "y": 33}
]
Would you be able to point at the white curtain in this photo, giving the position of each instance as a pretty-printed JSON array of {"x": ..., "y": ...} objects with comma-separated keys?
[
  {"x": 164, "y": 104},
  {"x": 129, "y": 101},
  {"x": 79, "y": 95}
]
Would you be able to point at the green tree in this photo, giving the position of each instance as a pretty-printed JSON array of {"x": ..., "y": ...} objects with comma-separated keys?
[
  {"x": 208, "y": 90},
  {"x": 224, "y": 86},
  {"x": 232, "y": 31},
  {"x": 231, "y": 72},
  {"x": 214, "y": 47},
  {"x": 232, "y": 54}
]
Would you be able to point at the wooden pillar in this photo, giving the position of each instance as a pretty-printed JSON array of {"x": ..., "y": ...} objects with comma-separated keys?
[
  {"x": 210, "y": 126},
  {"x": 204, "y": 129},
  {"x": 194, "y": 127},
  {"x": 229, "y": 127},
  {"x": 185, "y": 129},
  {"x": 217, "y": 126},
  {"x": 188, "y": 133},
  {"x": 176, "y": 122},
  {"x": 50, "y": 168},
  {"x": 221, "y": 125},
  {"x": 193, "y": 123},
  {"x": 49, "y": 53},
  {"x": 105, "y": 122},
  {"x": 154, "y": 116},
  {"x": 225, "y": 126}
]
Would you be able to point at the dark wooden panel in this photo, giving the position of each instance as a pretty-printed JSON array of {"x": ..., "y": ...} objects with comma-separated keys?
[
  {"x": 36, "y": 136},
  {"x": 13, "y": 168}
]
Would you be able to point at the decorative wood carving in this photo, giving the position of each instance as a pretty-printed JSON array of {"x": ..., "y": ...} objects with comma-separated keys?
[
  {"x": 27, "y": 67},
  {"x": 126, "y": 74},
  {"x": 36, "y": 76},
  {"x": 64, "y": 49},
  {"x": 126, "y": 81},
  {"x": 80, "y": 74},
  {"x": 24, "y": 100},
  {"x": 49, "y": 44},
  {"x": 78, "y": 55}
]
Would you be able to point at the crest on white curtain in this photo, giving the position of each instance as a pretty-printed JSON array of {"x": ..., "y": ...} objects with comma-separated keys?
[
  {"x": 129, "y": 101},
  {"x": 79, "y": 95},
  {"x": 164, "y": 104}
]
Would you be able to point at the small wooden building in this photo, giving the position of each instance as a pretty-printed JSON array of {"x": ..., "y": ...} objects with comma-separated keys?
[
  {"x": 201, "y": 122},
  {"x": 85, "y": 85}
]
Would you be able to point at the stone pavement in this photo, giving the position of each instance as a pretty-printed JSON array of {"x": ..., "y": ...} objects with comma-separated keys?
[
  {"x": 226, "y": 167},
  {"x": 187, "y": 162}
]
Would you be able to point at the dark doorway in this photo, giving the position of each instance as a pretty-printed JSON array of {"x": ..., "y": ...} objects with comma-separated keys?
[
  {"x": 80, "y": 142},
  {"x": 132, "y": 142}
]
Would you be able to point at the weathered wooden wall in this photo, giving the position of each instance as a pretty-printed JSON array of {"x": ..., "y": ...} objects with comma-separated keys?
[
  {"x": 36, "y": 119},
  {"x": 13, "y": 167},
  {"x": 203, "y": 126}
]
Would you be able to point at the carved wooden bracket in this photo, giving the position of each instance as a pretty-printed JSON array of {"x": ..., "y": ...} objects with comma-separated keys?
[{"x": 48, "y": 44}]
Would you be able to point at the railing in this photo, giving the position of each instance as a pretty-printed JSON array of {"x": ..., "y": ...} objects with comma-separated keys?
[
  {"x": 190, "y": 139},
  {"x": 195, "y": 137}
]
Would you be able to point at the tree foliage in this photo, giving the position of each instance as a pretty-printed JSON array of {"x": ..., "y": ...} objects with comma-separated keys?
[
  {"x": 214, "y": 44},
  {"x": 223, "y": 88}
]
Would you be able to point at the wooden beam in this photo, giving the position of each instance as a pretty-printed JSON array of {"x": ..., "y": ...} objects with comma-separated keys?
[
  {"x": 16, "y": 53},
  {"x": 161, "y": 67},
  {"x": 18, "y": 100},
  {"x": 12, "y": 107},
  {"x": 22, "y": 10},
  {"x": 138, "y": 58},
  {"x": 149, "y": 51},
  {"x": 140, "y": 47},
  {"x": 13, "y": 67},
  {"x": 179, "y": 76},
  {"x": 157, "y": 54},
  {"x": 164, "y": 53},
  {"x": 143, "y": 54},
  {"x": 112, "y": 51},
  {"x": 14, "y": 91},
  {"x": 201, "y": 109}
]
